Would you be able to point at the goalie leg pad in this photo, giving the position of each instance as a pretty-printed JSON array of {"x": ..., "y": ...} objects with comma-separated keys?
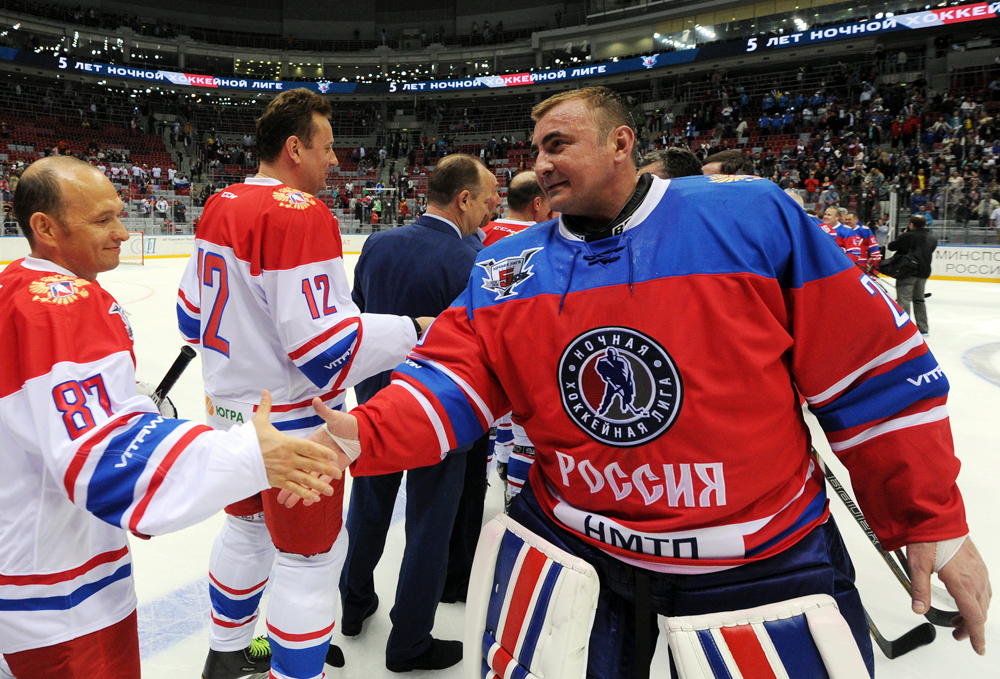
[
  {"x": 530, "y": 607},
  {"x": 803, "y": 638}
]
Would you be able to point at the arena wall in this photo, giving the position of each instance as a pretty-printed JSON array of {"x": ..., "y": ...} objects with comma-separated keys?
[{"x": 157, "y": 247}]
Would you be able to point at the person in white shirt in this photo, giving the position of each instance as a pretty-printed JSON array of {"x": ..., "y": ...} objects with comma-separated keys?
[{"x": 157, "y": 173}]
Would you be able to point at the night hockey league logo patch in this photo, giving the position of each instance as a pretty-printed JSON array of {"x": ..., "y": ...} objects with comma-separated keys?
[
  {"x": 508, "y": 273},
  {"x": 293, "y": 199},
  {"x": 58, "y": 289},
  {"x": 620, "y": 386}
]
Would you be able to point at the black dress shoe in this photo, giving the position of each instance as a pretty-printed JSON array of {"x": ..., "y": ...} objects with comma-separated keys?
[
  {"x": 353, "y": 629},
  {"x": 441, "y": 654},
  {"x": 335, "y": 656}
]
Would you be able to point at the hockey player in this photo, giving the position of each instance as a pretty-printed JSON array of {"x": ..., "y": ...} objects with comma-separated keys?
[
  {"x": 869, "y": 252},
  {"x": 526, "y": 205},
  {"x": 847, "y": 239},
  {"x": 266, "y": 298},
  {"x": 697, "y": 481},
  {"x": 85, "y": 458}
]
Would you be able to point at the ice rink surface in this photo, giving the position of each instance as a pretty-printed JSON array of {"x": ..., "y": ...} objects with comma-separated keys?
[{"x": 171, "y": 571}]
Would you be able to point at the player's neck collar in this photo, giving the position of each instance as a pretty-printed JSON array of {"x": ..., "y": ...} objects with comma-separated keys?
[{"x": 617, "y": 225}]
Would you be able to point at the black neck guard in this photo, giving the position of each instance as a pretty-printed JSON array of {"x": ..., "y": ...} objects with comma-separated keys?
[{"x": 617, "y": 225}]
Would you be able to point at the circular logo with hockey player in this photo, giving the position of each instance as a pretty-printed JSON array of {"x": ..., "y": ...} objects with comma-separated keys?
[{"x": 620, "y": 386}]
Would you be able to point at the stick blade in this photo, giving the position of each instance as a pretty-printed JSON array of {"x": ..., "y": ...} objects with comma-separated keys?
[{"x": 921, "y": 635}]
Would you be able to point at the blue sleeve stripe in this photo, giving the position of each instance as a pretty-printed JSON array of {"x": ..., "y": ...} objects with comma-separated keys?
[
  {"x": 111, "y": 490},
  {"x": 885, "y": 395},
  {"x": 461, "y": 416},
  {"x": 67, "y": 601},
  {"x": 323, "y": 367},
  {"x": 190, "y": 327}
]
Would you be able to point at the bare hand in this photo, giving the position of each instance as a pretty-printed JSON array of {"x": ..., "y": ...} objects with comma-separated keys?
[
  {"x": 294, "y": 465},
  {"x": 424, "y": 322},
  {"x": 967, "y": 581},
  {"x": 344, "y": 428}
]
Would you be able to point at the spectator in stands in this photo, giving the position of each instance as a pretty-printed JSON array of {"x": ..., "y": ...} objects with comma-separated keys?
[
  {"x": 144, "y": 207},
  {"x": 918, "y": 201},
  {"x": 670, "y": 163},
  {"x": 180, "y": 212},
  {"x": 161, "y": 207},
  {"x": 728, "y": 162}
]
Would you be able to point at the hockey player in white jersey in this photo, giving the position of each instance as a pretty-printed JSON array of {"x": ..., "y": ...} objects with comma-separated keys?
[
  {"x": 266, "y": 298},
  {"x": 85, "y": 458}
]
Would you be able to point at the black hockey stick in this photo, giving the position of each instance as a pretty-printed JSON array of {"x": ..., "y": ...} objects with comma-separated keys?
[
  {"x": 921, "y": 635},
  {"x": 934, "y": 615},
  {"x": 168, "y": 381}
]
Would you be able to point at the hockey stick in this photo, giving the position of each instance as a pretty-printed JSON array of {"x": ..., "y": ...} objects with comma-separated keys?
[
  {"x": 934, "y": 615},
  {"x": 921, "y": 635},
  {"x": 175, "y": 371}
]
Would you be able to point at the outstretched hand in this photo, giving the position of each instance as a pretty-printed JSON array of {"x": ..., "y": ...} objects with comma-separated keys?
[
  {"x": 340, "y": 424},
  {"x": 296, "y": 466},
  {"x": 967, "y": 581}
]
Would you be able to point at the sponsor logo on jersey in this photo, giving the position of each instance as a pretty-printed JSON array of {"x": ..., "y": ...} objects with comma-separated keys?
[
  {"x": 620, "y": 386},
  {"x": 117, "y": 309},
  {"x": 293, "y": 199},
  {"x": 58, "y": 289},
  {"x": 730, "y": 178},
  {"x": 229, "y": 194},
  {"x": 504, "y": 276},
  {"x": 234, "y": 416}
]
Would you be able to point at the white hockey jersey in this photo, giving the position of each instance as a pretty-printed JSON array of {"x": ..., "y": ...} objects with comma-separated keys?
[
  {"x": 86, "y": 459},
  {"x": 266, "y": 298}
]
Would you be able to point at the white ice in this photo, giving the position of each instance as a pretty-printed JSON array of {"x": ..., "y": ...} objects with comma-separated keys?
[{"x": 171, "y": 571}]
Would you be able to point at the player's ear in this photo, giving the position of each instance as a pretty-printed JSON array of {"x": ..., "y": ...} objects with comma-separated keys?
[
  {"x": 293, "y": 147},
  {"x": 45, "y": 229},
  {"x": 463, "y": 199}
]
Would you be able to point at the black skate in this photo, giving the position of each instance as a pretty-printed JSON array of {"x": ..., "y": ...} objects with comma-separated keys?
[{"x": 253, "y": 662}]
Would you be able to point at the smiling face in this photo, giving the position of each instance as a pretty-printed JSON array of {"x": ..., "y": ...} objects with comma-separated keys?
[
  {"x": 88, "y": 234},
  {"x": 573, "y": 161},
  {"x": 317, "y": 158}
]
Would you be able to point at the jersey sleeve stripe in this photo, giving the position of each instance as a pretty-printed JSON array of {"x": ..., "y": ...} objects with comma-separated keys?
[
  {"x": 190, "y": 327},
  {"x": 321, "y": 338},
  {"x": 67, "y": 601},
  {"x": 83, "y": 454},
  {"x": 898, "y": 351},
  {"x": 326, "y": 365},
  {"x": 111, "y": 489},
  {"x": 885, "y": 395},
  {"x": 161, "y": 473},
  {"x": 301, "y": 423},
  {"x": 436, "y": 404},
  {"x": 432, "y": 416},
  {"x": 346, "y": 370},
  {"x": 187, "y": 302},
  {"x": 933, "y": 415},
  {"x": 64, "y": 576},
  {"x": 463, "y": 419},
  {"x": 487, "y": 418}
]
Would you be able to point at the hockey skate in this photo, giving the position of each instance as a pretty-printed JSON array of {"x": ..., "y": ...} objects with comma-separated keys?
[{"x": 253, "y": 662}]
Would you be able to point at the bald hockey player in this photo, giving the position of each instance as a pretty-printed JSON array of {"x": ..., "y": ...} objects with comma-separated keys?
[{"x": 86, "y": 459}]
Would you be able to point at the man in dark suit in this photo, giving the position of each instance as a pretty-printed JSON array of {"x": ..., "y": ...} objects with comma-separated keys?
[{"x": 421, "y": 267}]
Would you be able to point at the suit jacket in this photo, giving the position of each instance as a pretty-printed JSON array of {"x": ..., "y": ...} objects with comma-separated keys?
[{"x": 415, "y": 270}]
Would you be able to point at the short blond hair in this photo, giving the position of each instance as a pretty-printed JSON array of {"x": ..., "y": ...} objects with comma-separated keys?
[{"x": 608, "y": 108}]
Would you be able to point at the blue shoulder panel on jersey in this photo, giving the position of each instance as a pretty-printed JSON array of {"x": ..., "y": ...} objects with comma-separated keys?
[
  {"x": 112, "y": 486},
  {"x": 701, "y": 225},
  {"x": 323, "y": 367}
]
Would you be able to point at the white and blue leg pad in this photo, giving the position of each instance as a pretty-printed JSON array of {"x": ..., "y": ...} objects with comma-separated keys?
[
  {"x": 530, "y": 607},
  {"x": 804, "y": 638}
]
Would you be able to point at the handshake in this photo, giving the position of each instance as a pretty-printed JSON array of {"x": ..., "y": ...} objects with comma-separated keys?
[{"x": 302, "y": 469}]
